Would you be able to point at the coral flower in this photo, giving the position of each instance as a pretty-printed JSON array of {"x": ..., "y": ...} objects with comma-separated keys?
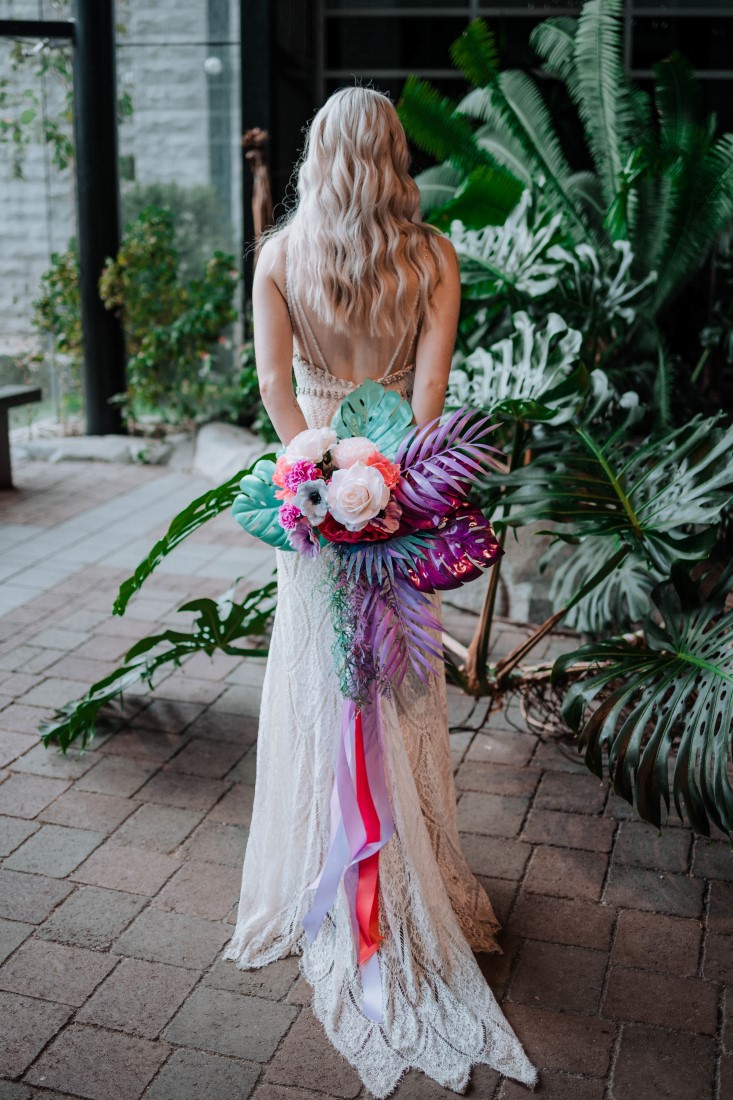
[
  {"x": 390, "y": 471},
  {"x": 282, "y": 467}
]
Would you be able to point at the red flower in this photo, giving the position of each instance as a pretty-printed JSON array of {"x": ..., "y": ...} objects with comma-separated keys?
[{"x": 336, "y": 532}]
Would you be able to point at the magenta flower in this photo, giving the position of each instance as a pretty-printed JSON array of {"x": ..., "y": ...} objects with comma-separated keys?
[
  {"x": 300, "y": 471},
  {"x": 288, "y": 515}
]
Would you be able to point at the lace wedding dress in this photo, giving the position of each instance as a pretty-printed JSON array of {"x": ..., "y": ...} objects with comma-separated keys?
[{"x": 440, "y": 1015}]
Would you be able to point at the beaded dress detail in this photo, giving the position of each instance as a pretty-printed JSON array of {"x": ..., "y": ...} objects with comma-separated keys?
[{"x": 440, "y": 1015}]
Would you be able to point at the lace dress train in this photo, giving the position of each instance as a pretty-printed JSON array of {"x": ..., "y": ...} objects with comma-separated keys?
[{"x": 440, "y": 1015}]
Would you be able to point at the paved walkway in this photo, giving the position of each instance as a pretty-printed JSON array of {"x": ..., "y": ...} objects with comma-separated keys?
[{"x": 121, "y": 867}]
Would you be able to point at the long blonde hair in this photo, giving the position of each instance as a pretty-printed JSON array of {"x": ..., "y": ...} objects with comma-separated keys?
[{"x": 356, "y": 228}]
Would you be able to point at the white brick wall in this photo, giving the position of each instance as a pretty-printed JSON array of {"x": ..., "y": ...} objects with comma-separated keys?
[{"x": 160, "y": 62}]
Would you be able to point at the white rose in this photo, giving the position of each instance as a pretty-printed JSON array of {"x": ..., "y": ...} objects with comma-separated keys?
[
  {"x": 356, "y": 495},
  {"x": 348, "y": 451},
  {"x": 310, "y": 445}
]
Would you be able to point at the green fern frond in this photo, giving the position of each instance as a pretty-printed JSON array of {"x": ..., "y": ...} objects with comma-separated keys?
[
  {"x": 475, "y": 54},
  {"x": 677, "y": 98},
  {"x": 601, "y": 93},
  {"x": 707, "y": 210},
  {"x": 434, "y": 124},
  {"x": 554, "y": 41},
  {"x": 486, "y": 197},
  {"x": 513, "y": 107}
]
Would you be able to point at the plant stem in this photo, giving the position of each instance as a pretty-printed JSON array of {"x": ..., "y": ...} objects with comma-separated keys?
[{"x": 475, "y": 669}]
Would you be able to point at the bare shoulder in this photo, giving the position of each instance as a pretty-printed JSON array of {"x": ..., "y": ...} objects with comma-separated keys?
[
  {"x": 448, "y": 275},
  {"x": 271, "y": 260},
  {"x": 446, "y": 246}
]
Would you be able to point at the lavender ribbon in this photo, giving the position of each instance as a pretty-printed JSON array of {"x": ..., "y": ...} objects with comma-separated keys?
[{"x": 347, "y": 841}]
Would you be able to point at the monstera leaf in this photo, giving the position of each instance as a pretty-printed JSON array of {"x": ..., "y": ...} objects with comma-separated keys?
[
  {"x": 432, "y": 560},
  {"x": 663, "y": 707},
  {"x": 375, "y": 412},
  {"x": 532, "y": 374},
  {"x": 256, "y": 507},
  {"x": 456, "y": 553}
]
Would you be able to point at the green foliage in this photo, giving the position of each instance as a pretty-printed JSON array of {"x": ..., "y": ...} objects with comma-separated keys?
[
  {"x": 57, "y": 313},
  {"x": 663, "y": 184},
  {"x": 170, "y": 326},
  {"x": 200, "y": 224},
  {"x": 219, "y": 626},
  {"x": 23, "y": 120},
  {"x": 663, "y": 710}
]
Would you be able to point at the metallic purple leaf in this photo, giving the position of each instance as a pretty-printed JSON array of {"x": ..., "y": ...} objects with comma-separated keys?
[{"x": 455, "y": 553}]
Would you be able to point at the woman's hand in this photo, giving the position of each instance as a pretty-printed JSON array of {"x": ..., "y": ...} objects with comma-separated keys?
[
  {"x": 273, "y": 340},
  {"x": 437, "y": 340}
]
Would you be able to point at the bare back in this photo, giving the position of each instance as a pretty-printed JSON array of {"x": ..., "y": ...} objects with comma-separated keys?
[{"x": 291, "y": 342}]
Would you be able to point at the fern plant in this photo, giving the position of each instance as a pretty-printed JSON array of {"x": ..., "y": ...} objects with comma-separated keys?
[{"x": 665, "y": 184}]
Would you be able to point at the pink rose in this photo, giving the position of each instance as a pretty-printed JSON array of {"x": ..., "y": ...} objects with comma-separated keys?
[{"x": 348, "y": 451}]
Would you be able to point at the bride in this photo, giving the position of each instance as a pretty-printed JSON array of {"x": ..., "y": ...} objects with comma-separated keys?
[{"x": 353, "y": 285}]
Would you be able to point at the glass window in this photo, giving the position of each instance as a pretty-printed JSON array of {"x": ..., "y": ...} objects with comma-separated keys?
[
  {"x": 706, "y": 43},
  {"x": 391, "y": 43}
]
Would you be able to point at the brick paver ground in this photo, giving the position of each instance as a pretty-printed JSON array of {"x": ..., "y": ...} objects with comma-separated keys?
[{"x": 120, "y": 868}]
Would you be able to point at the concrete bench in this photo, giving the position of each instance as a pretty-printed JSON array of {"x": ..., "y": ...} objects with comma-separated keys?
[{"x": 10, "y": 396}]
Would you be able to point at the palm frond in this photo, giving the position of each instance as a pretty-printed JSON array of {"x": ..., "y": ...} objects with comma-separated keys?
[
  {"x": 438, "y": 186},
  {"x": 513, "y": 106},
  {"x": 708, "y": 209},
  {"x": 677, "y": 98},
  {"x": 439, "y": 463},
  {"x": 434, "y": 124},
  {"x": 487, "y": 196},
  {"x": 554, "y": 41},
  {"x": 504, "y": 149},
  {"x": 475, "y": 54},
  {"x": 651, "y": 495},
  {"x": 601, "y": 92},
  {"x": 220, "y": 625}
]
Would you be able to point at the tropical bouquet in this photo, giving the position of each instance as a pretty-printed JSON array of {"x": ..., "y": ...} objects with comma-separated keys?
[{"x": 384, "y": 505}]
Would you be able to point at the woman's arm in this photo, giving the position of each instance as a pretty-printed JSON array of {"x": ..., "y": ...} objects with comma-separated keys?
[
  {"x": 437, "y": 340},
  {"x": 273, "y": 339}
]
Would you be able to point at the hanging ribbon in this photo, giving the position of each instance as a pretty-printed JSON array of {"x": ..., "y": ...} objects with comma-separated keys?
[{"x": 361, "y": 824}]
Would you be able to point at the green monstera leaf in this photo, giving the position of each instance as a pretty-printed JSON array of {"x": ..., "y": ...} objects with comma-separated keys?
[
  {"x": 375, "y": 412},
  {"x": 256, "y": 507}
]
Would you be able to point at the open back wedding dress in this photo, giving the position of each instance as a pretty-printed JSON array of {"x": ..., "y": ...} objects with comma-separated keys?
[{"x": 440, "y": 1015}]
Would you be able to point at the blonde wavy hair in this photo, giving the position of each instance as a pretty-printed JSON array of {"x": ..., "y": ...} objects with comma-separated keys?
[{"x": 356, "y": 229}]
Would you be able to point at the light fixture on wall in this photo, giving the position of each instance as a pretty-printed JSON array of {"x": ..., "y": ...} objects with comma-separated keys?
[{"x": 213, "y": 66}]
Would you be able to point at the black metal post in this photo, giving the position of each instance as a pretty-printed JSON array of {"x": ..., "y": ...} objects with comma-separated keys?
[
  {"x": 256, "y": 99},
  {"x": 98, "y": 202}
]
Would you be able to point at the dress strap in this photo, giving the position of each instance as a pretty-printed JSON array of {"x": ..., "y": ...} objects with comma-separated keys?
[
  {"x": 301, "y": 324},
  {"x": 418, "y": 320}
]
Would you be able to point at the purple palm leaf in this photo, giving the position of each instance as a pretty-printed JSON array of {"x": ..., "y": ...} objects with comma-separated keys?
[
  {"x": 453, "y": 554},
  {"x": 393, "y": 622},
  {"x": 439, "y": 461}
]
